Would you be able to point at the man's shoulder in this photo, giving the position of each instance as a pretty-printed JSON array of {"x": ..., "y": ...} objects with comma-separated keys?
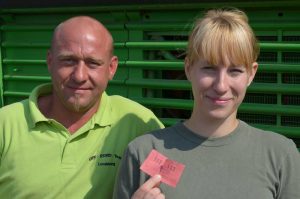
[
  {"x": 132, "y": 112},
  {"x": 14, "y": 109},
  {"x": 127, "y": 104}
]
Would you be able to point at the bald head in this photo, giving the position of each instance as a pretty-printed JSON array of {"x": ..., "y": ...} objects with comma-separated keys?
[
  {"x": 82, "y": 27},
  {"x": 80, "y": 63}
]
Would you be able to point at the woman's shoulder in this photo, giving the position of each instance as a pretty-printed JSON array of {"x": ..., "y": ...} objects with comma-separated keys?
[
  {"x": 156, "y": 139},
  {"x": 269, "y": 139}
]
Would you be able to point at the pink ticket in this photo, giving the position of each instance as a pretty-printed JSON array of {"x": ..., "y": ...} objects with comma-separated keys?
[{"x": 157, "y": 163}]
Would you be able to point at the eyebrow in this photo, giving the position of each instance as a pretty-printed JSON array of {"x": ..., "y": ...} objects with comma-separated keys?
[
  {"x": 69, "y": 55},
  {"x": 66, "y": 55},
  {"x": 94, "y": 59}
]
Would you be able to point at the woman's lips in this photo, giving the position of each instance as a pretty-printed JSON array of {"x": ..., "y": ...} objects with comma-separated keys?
[{"x": 219, "y": 101}]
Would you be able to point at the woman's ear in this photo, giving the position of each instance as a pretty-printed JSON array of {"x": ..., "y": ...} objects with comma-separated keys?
[
  {"x": 187, "y": 68},
  {"x": 252, "y": 72}
]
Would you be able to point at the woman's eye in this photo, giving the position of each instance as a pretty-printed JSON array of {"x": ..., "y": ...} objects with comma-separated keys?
[
  {"x": 236, "y": 71},
  {"x": 208, "y": 68}
]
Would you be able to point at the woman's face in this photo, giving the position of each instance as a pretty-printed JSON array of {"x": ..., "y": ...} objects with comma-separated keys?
[{"x": 218, "y": 90}]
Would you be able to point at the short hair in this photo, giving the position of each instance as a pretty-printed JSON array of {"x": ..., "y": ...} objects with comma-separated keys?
[{"x": 223, "y": 34}]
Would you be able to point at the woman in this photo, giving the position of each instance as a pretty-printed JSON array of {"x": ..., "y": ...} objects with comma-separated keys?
[{"x": 223, "y": 156}]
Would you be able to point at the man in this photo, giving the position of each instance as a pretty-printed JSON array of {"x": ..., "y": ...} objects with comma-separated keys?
[{"x": 67, "y": 139}]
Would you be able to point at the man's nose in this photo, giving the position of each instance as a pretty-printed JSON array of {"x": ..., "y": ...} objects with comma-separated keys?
[{"x": 80, "y": 73}]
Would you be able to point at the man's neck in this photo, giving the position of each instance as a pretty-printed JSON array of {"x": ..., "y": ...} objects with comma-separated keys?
[{"x": 71, "y": 120}]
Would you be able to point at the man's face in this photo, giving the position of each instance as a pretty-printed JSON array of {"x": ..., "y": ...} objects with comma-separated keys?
[{"x": 81, "y": 65}]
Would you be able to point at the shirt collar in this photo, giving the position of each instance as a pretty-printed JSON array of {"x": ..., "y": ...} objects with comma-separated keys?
[
  {"x": 103, "y": 117},
  {"x": 35, "y": 113}
]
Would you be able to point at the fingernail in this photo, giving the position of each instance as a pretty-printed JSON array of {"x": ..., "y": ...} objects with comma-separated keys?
[{"x": 158, "y": 177}]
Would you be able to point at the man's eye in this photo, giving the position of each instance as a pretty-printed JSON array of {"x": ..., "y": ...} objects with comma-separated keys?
[
  {"x": 93, "y": 64},
  {"x": 68, "y": 61}
]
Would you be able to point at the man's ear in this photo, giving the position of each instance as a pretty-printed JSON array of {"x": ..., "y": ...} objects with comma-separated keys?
[
  {"x": 252, "y": 72},
  {"x": 187, "y": 68},
  {"x": 113, "y": 67},
  {"x": 49, "y": 60}
]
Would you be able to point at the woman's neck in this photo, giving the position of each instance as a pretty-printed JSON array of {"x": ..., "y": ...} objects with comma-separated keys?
[{"x": 211, "y": 127}]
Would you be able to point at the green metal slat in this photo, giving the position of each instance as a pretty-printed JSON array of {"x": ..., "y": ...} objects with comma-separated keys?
[
  {"x": 37, "y": 62},
  {"x": 156, "y": 45},
  {"x": 182, "y": 45},
  {"x": 44, "y": 45},
  {"x": 248, "y": 108},
  {"x": 27, "y": 27},
  {"x": 159, "y": 26},
  {"x": 1, "y": 74},
  {"x": 23, "y": 61},
  {"x": 294, "y": 68},
  {"x": 25, "y": 45},
  {"x": 291, "y": 132},
  {"x": 179, "y": 65},
  {"x": 163, "y": 45},
  {"x": 165, "y": 103},
  {"x": 275, "y": 26},
  {"x": 16, "y": 93},
  {"x": 156, "y": 65},
  {"x": 171, "y": 65},
  {"x": 159, "y": 84},
  {"x": 162, "y": 6},
  {"x": 47, "y": 78},
  {"x": 280, "y": 46},
  {"x": 185, "y": 85},
  {"x": 64, "y": 10},
  {"x": 31, "y": 78},
  {"x": 274, "y": 88},
  {"x": 49, "y": 27},
  {"x": 270, "y": 109}
]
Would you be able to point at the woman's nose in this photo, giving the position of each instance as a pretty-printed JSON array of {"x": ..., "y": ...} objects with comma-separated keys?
[{"x": 221, "y": 82}]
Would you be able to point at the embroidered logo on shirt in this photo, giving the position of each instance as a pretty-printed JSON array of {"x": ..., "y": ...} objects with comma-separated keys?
[{"x": 105, "y": 159}]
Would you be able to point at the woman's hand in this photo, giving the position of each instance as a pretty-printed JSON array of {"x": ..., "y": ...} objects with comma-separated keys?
[{"x": 150, "y": 189}]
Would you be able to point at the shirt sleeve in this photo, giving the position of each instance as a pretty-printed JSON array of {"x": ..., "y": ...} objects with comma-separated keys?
[
  {"x": 128, "y": 177},
  {"x": 289, "y": 175}
]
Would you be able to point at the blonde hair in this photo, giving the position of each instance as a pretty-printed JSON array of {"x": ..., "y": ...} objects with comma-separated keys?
[{"x": 223, "y": 34}]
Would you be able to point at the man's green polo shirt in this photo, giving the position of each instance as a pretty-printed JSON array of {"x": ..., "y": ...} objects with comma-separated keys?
[{"x": 41, "y": 159}]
